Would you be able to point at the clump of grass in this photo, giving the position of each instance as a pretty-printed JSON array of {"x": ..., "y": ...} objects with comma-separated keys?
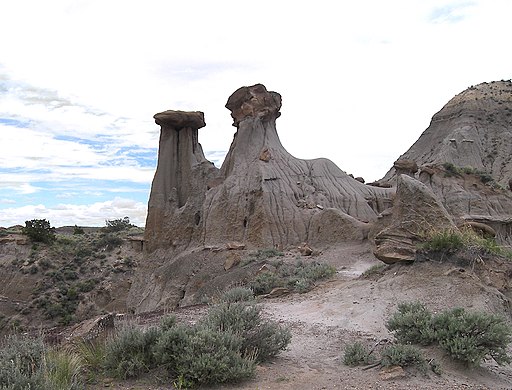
[
  {"x": 63, "y": 370},
  {"x": 452, "y": 240}
]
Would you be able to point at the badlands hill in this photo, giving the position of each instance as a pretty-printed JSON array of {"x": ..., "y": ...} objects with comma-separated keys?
[{"x": 474, "y": 129}]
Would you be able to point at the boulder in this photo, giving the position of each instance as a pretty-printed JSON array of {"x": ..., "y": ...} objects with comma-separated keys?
[{"x": 416, "y": 212}]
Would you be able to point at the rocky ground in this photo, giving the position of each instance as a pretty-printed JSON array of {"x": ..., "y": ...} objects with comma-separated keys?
[{"x": 351, "y": 307}]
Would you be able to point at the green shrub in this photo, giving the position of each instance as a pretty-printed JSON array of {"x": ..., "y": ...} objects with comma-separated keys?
[
  {"x": 117, "y": 225},
  {"x": 265, "y": 282},
  {"x": 261, "y": 338},
  {"x": 450, "y": 241},
  {"x": 92, "y": 357},
  {"x": 39, "y": 230},
  {"x": 261, "y": 254},
  {"x": 451, "y": 170},
  {"x": 202, "y": 355},
  {"x": 403, "y": 356},
  {"x": 357, "y": 354},
  {"x": 130, "y": 352},
  {"x": 472, "y": 337},
  {"x": 237, "y": 294},
  {"x": 412, "y": 324}
]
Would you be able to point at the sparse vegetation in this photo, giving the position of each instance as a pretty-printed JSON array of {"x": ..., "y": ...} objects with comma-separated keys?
[
  {"x": 223, "y": 347},
  {"x": 261, "y": 254},
  {"x": 298, "y": 277},
  {"x": 412, "y": 324},
  {"x": 451, "y": 241}
]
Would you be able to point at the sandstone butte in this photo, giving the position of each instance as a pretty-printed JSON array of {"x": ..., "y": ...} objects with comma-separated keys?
[{"x": 262, "y": 197}]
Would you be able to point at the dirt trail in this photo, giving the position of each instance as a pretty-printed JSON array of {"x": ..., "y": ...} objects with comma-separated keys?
[{"x": 349, "y": 308}]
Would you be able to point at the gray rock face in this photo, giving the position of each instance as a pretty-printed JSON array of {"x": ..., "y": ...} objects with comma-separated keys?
[
  {"x": 262, "y": 197},
  {"x": 268, "y": 197},
  {"x": 416, "y": 212},
  {"x": 180, "y": 182},
  {"x": 474, "y": 129}
]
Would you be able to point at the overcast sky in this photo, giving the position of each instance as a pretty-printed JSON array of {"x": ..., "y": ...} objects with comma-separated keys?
[{"x": 81, "y": 80}]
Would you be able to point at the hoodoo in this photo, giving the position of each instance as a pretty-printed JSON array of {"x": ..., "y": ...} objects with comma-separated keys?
[{"x": 262, "y": 197}]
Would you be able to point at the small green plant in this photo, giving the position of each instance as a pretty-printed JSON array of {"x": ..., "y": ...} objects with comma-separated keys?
[
  {"x": 404, "y": 356},
  {"x": 357, "y": 354},
  {"x": 448, "y": 241},
  {"x": 472, "y": 337},
  {"x": 412, "y": 324},
  {"x": 39, "y": 230}
]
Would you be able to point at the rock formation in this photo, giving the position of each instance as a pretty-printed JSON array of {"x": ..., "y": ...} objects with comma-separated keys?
[
  {"x": 416, "y": 212},
  {"x": 465, "y": 157},
  {"x": 474, "y": 129},
  {"x": 180, "y": 183},
  {"x": 262, "y": 197}
]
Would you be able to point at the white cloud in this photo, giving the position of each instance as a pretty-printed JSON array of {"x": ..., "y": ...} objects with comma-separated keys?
[
  {"x": 83, "y": 215},
  {"x": 360, "y": 80}
]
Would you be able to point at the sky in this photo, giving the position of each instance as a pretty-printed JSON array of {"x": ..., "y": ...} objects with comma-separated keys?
[{"x": 80, "y": 81}]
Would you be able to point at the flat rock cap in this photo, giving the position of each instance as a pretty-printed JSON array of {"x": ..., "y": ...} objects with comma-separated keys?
[{"x": 180, "y": 119}]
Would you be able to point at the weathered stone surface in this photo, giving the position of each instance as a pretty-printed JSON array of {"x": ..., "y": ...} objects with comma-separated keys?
[
  {"x": 405, "y": 166},
  {"x": 180, "y": 119},
  {"x": 180, "y": 182},
  {"x": 472, "y": 130},
  {"x": 262, "y": 197},
  {"x": 254, "y": 102},
  {"x": 416, "y": 212},
  {"x": 232, "y": 260}
]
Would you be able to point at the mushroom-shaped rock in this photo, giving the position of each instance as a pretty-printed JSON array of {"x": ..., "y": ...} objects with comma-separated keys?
[
  {"x": 180, "y": 119},
  {"x": 180, "y": 180},
  {"x": 405, "y": 166},
  {"x": 254, "y": 101}
]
